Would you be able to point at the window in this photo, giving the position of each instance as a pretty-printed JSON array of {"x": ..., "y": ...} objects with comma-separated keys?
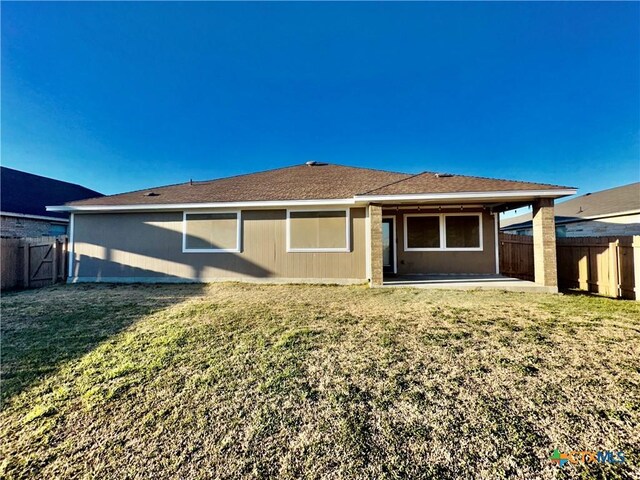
[
  {"x": 463, "y": 231},
  {"x": 211, "y": 232},
  {"x": 422, "y": 231},
  {"x": 386, "y": 244},
  {"x": 55, "y": 230},
  {"x": 438, "y": 232},
  {"x": 320, "y": 231}
]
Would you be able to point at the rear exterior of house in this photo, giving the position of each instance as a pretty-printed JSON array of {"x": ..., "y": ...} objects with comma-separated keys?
[{"x": 307, "y": 223}]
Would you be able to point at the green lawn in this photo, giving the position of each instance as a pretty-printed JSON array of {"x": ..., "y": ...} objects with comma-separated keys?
[{"x": 247, "y": 381}]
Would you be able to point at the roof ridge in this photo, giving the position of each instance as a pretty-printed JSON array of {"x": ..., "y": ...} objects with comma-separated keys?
[
  {"x": 515, "y": 181},
  {"x": 605, "y": 190},
  {"x": 145, "y": 189},
  {"x": 203, "y": 182},
  {"x": 393, "y": 183},
  {"x": 473, "y": 176},
  {"x": 198, "y": 182},
  {"x": 371, "y": 169},
  {"x": 299, "y": 165}
]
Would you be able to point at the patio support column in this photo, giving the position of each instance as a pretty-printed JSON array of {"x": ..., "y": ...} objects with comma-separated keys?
[
  {"x": 375, "y": 245},
  {"x": 544, "y": 244}
]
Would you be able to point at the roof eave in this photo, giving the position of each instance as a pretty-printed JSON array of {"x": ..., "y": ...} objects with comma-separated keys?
[
  {"x": 34, "y": 217},
  {"x": 516, "y": 195},
  {"x": 186, "y": 206}
]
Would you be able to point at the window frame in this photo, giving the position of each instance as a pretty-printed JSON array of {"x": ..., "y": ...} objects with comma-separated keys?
[
  {"x": 443, "y": 234},
  {"x": 406, "y": 235},
  {"x": 238, "y": 248},
  {"x": 394, "y": 239},
  {"x": 347, "y": 247}
]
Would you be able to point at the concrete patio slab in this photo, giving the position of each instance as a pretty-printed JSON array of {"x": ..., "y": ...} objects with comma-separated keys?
[{"x": 466, "y": 282}]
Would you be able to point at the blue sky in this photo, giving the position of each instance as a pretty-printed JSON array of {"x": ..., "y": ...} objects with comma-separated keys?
[{"x": 121, "y": 96}]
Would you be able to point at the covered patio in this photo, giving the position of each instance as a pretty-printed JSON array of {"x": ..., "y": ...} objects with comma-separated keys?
[{"x": 422, "y": 241}]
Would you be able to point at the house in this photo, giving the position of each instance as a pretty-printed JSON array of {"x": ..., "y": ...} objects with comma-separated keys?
[
  {"x": 313, "y": 222},
  {"x": 23, "y": 201},
  {"x": 612, "y": 212}
]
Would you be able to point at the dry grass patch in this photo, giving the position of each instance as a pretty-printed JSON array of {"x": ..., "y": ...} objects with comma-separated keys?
[{"x": 247, "y": 381}]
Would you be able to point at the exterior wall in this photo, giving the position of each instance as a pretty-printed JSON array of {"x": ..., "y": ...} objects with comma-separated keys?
[
  {"x": 441, "y": 262},
  {"x": 148, "y": 247},
  {"x": 20, "y": 227}
]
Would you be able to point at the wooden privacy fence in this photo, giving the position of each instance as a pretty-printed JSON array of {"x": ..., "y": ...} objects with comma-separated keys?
[
  {"x": 604, "y": 265},
  {"x": 516, "y": 256},
  {"x": 32, "y": 262}
]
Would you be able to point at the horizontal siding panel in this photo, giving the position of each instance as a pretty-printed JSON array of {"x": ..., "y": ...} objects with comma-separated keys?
[{"x": 141, "y": 245}]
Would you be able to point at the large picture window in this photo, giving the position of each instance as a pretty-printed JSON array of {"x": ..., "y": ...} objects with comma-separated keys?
[
  {"x": 211, "y": 232},
  {"x": 462, "y": 231},
  {"x": 319, "y": 231},
  {"x": 439, "y": 232},
  {"x": 423, "y": 231}
]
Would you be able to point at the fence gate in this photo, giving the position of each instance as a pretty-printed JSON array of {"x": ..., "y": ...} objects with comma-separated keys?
[
  {"x": 33, "y": 262},
  {"x": 40, "y": 264}
]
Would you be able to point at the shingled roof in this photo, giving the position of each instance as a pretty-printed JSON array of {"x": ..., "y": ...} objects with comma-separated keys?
[
  {"x": 300, "y": 182},
  {"x": 432, "y": 182},
  {"x": 28, "y": 194},
  {"x": 319, "y": 181},
  {"x": 597, "y": 204}
]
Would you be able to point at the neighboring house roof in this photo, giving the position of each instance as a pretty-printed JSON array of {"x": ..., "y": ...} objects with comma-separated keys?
[
  {"x": 319, "y": 181},
  {"x": 605, "y": 203},
  {"x": 28, "y": 194}
]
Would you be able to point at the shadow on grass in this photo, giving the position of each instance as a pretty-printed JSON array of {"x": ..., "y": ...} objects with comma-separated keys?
[
  {"x": 42, "y": 329},
  {"x": 574, "y": 292}
]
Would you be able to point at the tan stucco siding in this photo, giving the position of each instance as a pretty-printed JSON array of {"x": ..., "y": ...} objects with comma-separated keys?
[
  {"x": 436, "y": 262},
  {"x": 149, "y": 245}
]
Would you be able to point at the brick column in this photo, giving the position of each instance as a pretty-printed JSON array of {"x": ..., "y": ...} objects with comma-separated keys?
[
  {"x": 544, "y": 243},
  {"x": 375, "y": 246}
]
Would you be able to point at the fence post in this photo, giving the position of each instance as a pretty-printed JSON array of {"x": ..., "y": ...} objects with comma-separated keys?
[
  {"x": 26, "y": 271},
  {"x": 587, "y": 270},
  {"x": 614, "y": 270},
  {"x": 54, "y": 263},
  {"x": 65, "y": 259}
]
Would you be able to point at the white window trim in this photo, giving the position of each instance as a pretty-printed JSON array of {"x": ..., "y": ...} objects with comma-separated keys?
[
  {"x": 238, "y": 249},
  {"x": 422, "y": 249},
  {"x": 394, "y": 242},
  {"x": 443, "y": 236},
  {"x": 339, "y": 249}
]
